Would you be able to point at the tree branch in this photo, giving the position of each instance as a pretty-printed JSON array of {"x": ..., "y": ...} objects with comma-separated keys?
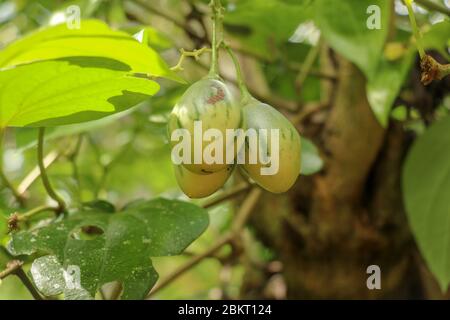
[
  {"x": 14, "y": 267},
  {"x": 227, "y": 195},
  {"x": 238, "y": 224}
]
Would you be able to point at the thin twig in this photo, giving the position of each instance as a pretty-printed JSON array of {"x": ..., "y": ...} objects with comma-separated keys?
[
  {"x": 191, "y": 263},
  {"x": 184, "y": 54},
  {"x": 227, "y": 195},
  {"x": 26, "y": 183},
  {"x": 305, "y": 69},
  {"x": 15, "y": 218},
  {"x": 11, "y": 268},
  {"x": 73, "y": 160},
  {"x": 14, "y": 267},
  {"x": 238, "y": 224},
  {"x": 29, "y": 214},
  {"x": 45, "y": 180}
]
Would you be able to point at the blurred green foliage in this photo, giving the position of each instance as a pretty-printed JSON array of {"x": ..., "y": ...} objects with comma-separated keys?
[{"x": 126, "y": 157}]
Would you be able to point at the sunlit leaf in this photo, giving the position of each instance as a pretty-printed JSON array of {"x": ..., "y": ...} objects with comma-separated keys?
[
  {"x": 63, "y": 92},
  {"x": 94, "y": 39}
]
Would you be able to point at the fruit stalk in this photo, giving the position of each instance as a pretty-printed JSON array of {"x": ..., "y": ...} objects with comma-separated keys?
[
  {"x": 244, "y": 90},
  {"x": 216, "y": 26}
]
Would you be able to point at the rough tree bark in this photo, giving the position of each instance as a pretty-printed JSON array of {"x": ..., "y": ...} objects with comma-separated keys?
[{"x": 330, "y": 227}]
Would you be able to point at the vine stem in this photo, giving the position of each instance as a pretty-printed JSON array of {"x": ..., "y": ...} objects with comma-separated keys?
[
  {"x": 27, "y": 215},
  {"x": 246, "y": 96},
  {"x": 14, "y": 267},
  {"x": 308, "y": 64},
  {"x": 415, "y": 28},
  {"x": 184, "y": 54},
  {"x": 238, "y": 224},
  {"x": 31, "y": 177},
  {"x": 216, "y": 26},
  {"x": 45, "y": 180},
  {"x": 4, "y": 179}
]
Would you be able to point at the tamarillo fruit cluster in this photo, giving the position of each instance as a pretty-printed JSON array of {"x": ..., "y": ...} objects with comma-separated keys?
[{"x": 211, "y": 101}]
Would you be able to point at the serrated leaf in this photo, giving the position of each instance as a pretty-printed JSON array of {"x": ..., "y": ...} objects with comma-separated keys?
[
  {"x": 343, "y": 24},
  {"x": 93, "y": 39},
  {"x": 426, "y": 189},
  {"x": 63, "y": 92},
  {"x": 311, "y": 160},
  {"x": 121, "y": 253}
]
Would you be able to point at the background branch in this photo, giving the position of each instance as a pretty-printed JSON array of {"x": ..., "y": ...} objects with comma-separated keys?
[{"x": 238, "y": 224}]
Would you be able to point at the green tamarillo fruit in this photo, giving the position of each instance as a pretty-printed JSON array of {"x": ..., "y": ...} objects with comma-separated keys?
[
  {"x": 211, "y": 102},
  {"x": 201, "y": 185},
  {"x": 283, "y": 147}
]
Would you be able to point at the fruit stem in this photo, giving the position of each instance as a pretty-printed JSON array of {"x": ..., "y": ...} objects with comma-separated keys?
[
  {"x": 244, "y": 90},
  {"x": 184, "y": 54},
  {"x": 415, "y": 28},
  {"x": 216, "y": 8}
]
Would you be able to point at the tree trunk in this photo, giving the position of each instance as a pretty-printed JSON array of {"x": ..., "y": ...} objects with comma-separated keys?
[{"x": 330, "y": 227}]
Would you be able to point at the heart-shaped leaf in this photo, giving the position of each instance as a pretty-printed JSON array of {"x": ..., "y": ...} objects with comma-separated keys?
[
  {"x": 93, "y": 39},
  {"x": 91, "y": 248},
  {"x": 64, "y": 92},
  {"x": 426, "y": 190}
]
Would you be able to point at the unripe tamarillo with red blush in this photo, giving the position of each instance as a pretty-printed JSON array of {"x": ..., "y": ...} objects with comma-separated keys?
[
  {"x": 201, "y": 185},
  {"x": 211, "y": 102},
  {"x": 258, "y": 115}
]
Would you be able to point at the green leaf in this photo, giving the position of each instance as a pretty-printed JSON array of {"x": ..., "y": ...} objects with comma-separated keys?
[
  {"x": 383, "y": 88},
  {"x": 61, "y": 92},
  {"x": 311, "y": 160},
  {"x": 151, "y": 37},
  {"x": 27, "y": 137},
  {"x": 437, "y": 37},
  {"x": 93, "y": 39},
  {"x": 263, "y": 25},
  {"x": 343, "y": 24},
  {"x": 117, "y": 248},
  {"x": 426, "y": 189}
]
